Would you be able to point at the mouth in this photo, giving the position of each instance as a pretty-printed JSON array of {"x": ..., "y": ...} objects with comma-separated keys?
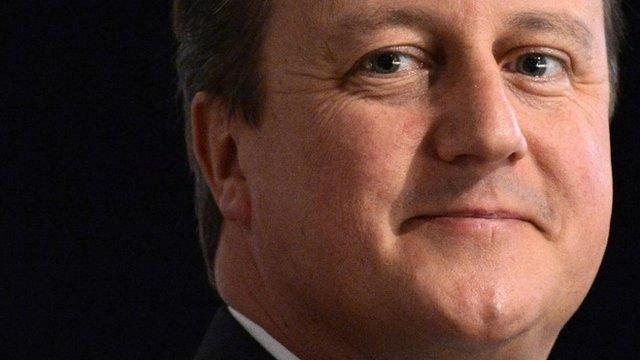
[
  {"x": 478, "y": 214},
  {"x": 469, "y": 220}
]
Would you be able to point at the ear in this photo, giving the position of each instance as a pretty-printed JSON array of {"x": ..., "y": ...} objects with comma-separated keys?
[{"x": 216, "y": 150}]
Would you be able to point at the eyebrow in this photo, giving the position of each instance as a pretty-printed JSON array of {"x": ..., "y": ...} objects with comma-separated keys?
[
  {"x": 377, "y": 19},
  {"x": 564, "y": 24}
]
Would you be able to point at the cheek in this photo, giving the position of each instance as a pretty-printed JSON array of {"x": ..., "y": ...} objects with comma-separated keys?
[
  {"x": 333, "y": 178},
  {"x": 361, "y": 151},
  {"x": 592, "y": 189},
  {"x": 574, "y": 155}
]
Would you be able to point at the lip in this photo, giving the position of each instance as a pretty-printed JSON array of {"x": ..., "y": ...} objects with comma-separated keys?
[
  {"x": 479, "y": 214},
  {"x": 471, "y": 219}
]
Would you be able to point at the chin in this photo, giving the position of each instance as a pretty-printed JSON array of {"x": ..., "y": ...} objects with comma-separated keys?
[
  {"x": 471, "y": 319},
  {"x": 490, "y": 325},
  {"x": 480, "y": 291}
]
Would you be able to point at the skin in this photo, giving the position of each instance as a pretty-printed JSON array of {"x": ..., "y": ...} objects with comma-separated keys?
[{"x": 456, "y": 208}]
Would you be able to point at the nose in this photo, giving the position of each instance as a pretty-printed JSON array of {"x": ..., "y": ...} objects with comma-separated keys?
[{"x": 478, "y": 121}]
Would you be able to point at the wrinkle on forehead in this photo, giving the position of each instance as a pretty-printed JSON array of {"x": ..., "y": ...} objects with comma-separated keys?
[{"x": 320, "y": 14}]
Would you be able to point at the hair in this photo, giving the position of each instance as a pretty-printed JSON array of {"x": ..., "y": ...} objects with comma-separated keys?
[
  {"x": 219, "y": 47},
  {"x": 219, "y": 51},
  {"x": 614, "y": 26}
]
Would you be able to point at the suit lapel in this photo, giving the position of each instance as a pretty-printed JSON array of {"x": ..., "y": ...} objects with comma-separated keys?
[{"x": 226, "y": 339}]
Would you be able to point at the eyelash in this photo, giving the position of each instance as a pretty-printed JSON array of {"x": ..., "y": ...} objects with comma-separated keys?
[
  {"x": 365, "y": 65},
  {"x": 562, "y": 65}
]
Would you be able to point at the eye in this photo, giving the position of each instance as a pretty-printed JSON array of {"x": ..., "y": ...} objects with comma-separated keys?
[
  {"x": 538, "y": 65},
  {"x": 390, "y": 62}
]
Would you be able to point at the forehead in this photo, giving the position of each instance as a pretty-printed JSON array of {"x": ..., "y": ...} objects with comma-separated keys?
[{"x": 335, "y": 16}]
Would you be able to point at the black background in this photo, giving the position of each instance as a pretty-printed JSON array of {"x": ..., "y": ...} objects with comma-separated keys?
[{"x": 100, "y": 247}]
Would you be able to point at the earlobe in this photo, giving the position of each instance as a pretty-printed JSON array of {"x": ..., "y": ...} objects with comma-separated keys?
[
  {"x": 234, "y": 202},
  {"x": 216, "y": 151}
]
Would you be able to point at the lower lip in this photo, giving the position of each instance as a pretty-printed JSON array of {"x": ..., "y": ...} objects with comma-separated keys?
[{"x": 467, "y": 224}]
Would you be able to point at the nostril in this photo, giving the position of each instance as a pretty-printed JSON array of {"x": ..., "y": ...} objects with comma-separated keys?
[
  {"x": 516, "y": 156},
  {"x": 520, "y": 149},
  {"x": 481, "y": 132}
]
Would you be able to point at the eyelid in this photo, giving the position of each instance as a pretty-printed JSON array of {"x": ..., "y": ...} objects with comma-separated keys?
[
  {"x": 544, "y": 86},
  {"x": 413, "y": 52},
  {"x": 561, "y": 57}
]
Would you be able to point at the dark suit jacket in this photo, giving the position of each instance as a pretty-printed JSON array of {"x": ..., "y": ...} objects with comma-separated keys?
[{"x": 226, "y": 339}]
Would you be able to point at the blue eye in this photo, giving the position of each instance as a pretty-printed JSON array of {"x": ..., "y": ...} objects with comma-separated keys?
[
  {"x": 538, "y": 65},
  {"x": 390, "y": 62}
]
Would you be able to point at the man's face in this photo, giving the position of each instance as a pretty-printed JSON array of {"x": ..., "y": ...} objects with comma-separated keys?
[{"x": 437, "y": 170}]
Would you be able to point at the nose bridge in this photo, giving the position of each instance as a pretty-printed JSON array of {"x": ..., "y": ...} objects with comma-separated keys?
[
  {"x": 490, "y": 111},
  {"x": 478, "y": 120}
]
